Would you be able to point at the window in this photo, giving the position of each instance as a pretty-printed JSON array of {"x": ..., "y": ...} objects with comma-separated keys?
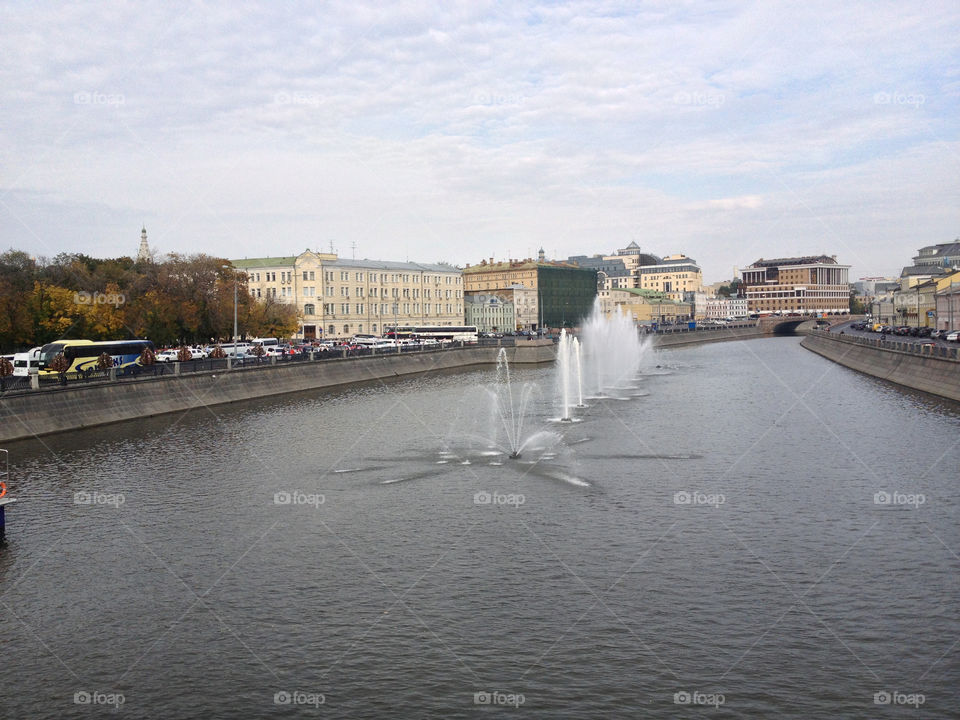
[
  {"x": 346, "y": 329},
  {"x": 359, "y": 277},
  {"x": 332, "y": 330},
  {"x": 304, "y": 274},
  {"x": 360, "y": 328},
  {"x": 359, "y": 308},
  {"x": 309, "y": 310},
  {"x": 359, "y": 292},
  {"x": 373, "y": 328},
  {"x": 329, "y": 291},
  {"x": 328, "y": 276},
  {"x": 344, "y": 275},
  {"x": 345, "y": 308}
]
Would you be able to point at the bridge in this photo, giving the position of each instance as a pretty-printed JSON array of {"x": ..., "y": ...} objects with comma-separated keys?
[{"x": 795, "y": 325}]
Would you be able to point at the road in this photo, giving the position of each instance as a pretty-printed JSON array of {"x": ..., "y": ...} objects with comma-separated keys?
[{"x": 847, "y": 330}]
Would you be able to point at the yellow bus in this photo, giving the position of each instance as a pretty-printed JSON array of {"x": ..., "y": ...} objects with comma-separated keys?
[{"x": 83, "y": 354}]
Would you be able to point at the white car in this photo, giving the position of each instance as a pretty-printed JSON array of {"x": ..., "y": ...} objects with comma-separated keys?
[
  {"x": 167, "y": 356},
  {"x": 952, "y": 336}
]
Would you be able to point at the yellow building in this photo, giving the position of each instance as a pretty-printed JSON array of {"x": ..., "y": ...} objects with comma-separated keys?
[
  {"x": 675, "y": 275},
  {"x": 645, "y": 306},
  {"x": 337, "y": 298}
]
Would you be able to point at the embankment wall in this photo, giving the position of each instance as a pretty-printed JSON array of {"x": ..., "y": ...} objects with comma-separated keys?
[
  {"x": 920, "y": 371},
  {"x": 57, "y": 409}
]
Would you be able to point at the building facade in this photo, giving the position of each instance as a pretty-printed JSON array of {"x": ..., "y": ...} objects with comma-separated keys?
[
  {"x": 674, "y": 275},
  {"x": 563, "y": 293},
  {"x": 646, "y": 307},
  {"x": 337, "y": 298},
  {"x": 806, "y": 285},
  {"x": 945, "y": 256},
  {"x": 947, "y": 300},
  {"x": 490, "y": 312}
]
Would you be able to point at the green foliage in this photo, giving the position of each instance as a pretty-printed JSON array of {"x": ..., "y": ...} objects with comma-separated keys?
[{"x": 180, "y": 300}]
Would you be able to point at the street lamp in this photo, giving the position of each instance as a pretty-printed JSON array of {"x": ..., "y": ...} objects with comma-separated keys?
[{"x": 231, "y": 267}]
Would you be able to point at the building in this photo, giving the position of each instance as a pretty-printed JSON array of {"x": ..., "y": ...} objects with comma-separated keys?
[
  {"x": 722, "y": 308},
  {"x": 646, "y": 307},
  {"x": 916, "y": 306},
  {"x": 806, "y": 285},
  {"x": 673, "y": 275},
  {"x": 611, "y": 271},
  {"x": 871, "y": 287},
  {"x": 945, "y": 256},
  {"x": 338, "y": 298},
  {"x": 143, "y": 253},
  {"x": 563, "y": 293},
  {"x": 490, "y": 312},
  {"x": 947, "y": 299}
]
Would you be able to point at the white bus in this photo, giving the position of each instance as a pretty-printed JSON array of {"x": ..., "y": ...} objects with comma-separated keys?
[
  {"x": 27, "y": 363},
  {"x": 266, "y": 342}
]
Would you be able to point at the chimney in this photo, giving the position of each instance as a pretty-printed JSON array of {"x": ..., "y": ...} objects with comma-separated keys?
[{"x": 491, "y": 261}]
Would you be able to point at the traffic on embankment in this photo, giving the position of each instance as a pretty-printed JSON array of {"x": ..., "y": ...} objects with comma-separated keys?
[{"x": 917, "y": 363}]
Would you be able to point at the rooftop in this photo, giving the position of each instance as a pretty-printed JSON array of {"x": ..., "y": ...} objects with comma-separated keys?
[{"x": 803, "y": 260}]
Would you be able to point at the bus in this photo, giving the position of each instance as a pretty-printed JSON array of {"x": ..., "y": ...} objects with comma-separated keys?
[
  {"x": 83, "y": 354},
  {"x": 266, "y": 342},
  {"x": 26, "y": 363},
  {"x": 456, "y": 333}
]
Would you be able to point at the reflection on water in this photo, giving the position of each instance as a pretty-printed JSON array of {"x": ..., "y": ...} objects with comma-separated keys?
[{"x": 724, "y": 534}]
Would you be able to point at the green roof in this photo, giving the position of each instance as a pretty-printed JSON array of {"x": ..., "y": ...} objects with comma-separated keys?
[
  {"x": 653, "y": 295},
  {"x": 264, "y": 262}
]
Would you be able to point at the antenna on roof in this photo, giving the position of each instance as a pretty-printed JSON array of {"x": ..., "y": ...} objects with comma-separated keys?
[
  {"x": 331, "y": 247},
  {"x": 353, "y": 250}
]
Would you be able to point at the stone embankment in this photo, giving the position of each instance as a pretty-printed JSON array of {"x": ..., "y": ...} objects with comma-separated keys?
[
  {"x": 55, "y": 409},
  {"x": 934, "y": 369}
]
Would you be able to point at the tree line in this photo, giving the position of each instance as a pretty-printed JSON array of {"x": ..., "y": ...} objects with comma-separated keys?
[{"x": 180, "y": 299}]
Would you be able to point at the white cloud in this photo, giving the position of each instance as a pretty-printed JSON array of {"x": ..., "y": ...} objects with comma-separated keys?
[{"x": 483, "y": 129}]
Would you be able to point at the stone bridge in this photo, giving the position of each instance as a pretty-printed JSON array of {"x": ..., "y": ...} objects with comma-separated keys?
[{"x": 796, "y": 325}]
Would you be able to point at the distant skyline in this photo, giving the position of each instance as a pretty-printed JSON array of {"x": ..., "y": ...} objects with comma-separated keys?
[{"x": 727, "y": 131}]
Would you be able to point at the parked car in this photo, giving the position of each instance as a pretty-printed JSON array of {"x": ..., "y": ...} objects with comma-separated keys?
[
  {"x": 167, "y": 356},
  {"x": 953, "y": 336}
]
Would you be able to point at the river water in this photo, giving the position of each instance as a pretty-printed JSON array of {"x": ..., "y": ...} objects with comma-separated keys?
[{"x": 747, "y": 531}]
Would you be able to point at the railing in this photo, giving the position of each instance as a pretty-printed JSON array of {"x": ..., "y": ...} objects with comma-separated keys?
[
  {"x": 916, "y": 347},
  {"x": 22, "y": 385}
]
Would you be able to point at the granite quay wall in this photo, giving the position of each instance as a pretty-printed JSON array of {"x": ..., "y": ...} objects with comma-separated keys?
[
  {"x": 934, "y": 369},
  {"x": 55, "y": 408}
]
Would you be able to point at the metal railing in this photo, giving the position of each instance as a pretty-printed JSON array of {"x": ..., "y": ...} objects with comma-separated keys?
[{"x": 914, "y": 347}]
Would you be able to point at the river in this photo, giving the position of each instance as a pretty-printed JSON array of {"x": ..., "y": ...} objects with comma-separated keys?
[{"x": 749, "y": 531}]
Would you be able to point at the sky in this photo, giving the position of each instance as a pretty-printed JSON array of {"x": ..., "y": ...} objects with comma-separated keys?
[{"x": 424, "y": 131}]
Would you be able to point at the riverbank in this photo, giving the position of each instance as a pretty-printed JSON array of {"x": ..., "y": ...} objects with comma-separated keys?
[
  {"x": 937, "y": 374},
  {"x": 59, "y": 409}
]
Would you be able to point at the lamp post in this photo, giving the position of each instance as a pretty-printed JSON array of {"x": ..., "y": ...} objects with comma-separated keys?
[{"x": 231, "y": 267}]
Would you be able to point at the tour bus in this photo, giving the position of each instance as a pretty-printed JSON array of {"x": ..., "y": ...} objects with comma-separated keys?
[
  {"x": 83, "y": 354},
  {"x": 27, "y": 363},
  {"x": 456, "y": 333}
]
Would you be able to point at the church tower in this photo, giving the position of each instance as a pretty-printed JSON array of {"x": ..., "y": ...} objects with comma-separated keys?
[{"x": 143, "y": 254}]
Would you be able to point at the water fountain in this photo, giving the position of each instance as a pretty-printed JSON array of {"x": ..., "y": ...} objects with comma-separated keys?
[
  {"x": 509, "y": 413},
  {"x": 613, "y": 350}
]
